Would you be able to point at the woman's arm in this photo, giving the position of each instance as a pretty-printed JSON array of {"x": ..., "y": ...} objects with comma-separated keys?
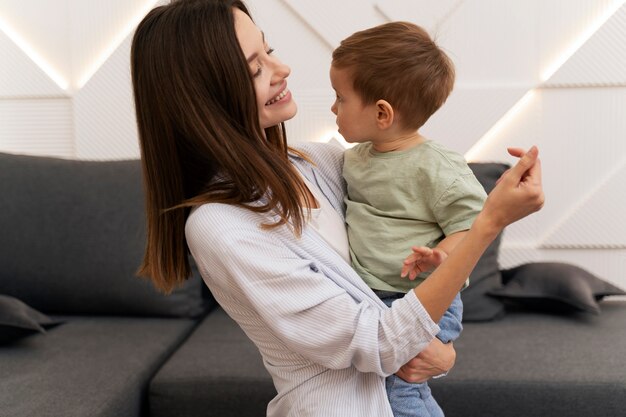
[
  {"x": 295, "y": 305},
  {"x": 517, "y": 194}
]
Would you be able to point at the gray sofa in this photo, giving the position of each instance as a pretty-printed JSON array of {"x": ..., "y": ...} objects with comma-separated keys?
[{"x": 104, "y": 343}]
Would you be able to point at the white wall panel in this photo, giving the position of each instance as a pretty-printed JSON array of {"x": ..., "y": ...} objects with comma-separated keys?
[
  {"x": 561, "y": 23},
  {"x": 20, "y": 77},
  {"x": 314, "y": 121},
  {"x": 582, "y": 137},
  {"x": 597, "y": 220},
  {"x": 296, "y": 44},
  {"x": 105, "y": 121},
  {"x": 334, "y": 20},
  {"x": 45, "y": 26},
  {"x": 95, "y": 31},
  {"x": 491, "y": 41},
  {"x": 512, "y": 255},
  {"x": 601, "y": 61},
  {"x": 426, "y": 13},
  {"x": 37, "y": 127},
  {"x": 468, "y": 114}
]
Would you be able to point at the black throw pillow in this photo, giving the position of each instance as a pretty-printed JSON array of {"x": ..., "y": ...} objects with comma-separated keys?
[
  {"x": 477, "y": 304},
  {"x": 18, "y": 320},
  {"x": 554, "y": 287}
]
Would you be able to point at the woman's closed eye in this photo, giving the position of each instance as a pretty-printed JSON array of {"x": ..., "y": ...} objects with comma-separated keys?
[{"x": 259, "y": 70}]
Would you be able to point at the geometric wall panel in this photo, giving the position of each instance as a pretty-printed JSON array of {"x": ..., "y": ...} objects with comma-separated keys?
[
  {"x": 37, "y": 127},
  {"x": 428, "y": 14},
  {"x": 20, "y": 76},
  {"x": 105, "y": 124},
  {"x": 491, "y": 42},
  {"x": 582, "y": 139},
  {"x": 563, "y": 26},
  {"x": 320, "y": 17},
  {"x": 598, "y": 220},
  {"x": 314, "y": 121},
  {"x": 512, "y": 255},
  {"x": 295, "y": 43},
  {"x": 97, "y": 29},
  {"x": 601, "y": 61},
  {"x": 460, "y": 123},
  {"x": 43, "y": 28}
]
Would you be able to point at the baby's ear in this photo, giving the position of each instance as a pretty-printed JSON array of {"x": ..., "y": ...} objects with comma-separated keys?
[{"x": 384, "y": 114}]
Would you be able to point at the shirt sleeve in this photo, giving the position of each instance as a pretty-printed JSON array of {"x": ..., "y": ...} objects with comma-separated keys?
[
  {"x": 459, "y": 204},
  {"x": 309, "y": 312}
]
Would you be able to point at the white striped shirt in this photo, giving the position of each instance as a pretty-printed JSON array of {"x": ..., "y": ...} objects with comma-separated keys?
[{"x": 325, "y": 338}]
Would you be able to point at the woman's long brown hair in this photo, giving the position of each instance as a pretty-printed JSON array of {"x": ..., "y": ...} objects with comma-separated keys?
[{"x": 199, "y": 131}]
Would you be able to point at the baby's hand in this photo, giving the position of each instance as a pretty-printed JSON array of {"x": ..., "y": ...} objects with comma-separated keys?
[{"x": 421, "y": 260}]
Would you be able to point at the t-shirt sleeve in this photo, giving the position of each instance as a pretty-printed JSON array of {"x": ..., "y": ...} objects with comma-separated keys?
[{"x": 459, "y": 204}]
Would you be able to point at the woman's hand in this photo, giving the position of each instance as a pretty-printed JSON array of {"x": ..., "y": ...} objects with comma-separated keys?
[
  {"x": 518, "y": 192},
  {"x": 437, "y": 359}
]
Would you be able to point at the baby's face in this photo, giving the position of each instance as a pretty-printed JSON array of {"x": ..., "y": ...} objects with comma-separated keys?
[{"x": 356, "y": 121}]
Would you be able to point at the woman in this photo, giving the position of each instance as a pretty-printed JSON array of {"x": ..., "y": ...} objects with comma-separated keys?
[{"x": 264, "y": 222}]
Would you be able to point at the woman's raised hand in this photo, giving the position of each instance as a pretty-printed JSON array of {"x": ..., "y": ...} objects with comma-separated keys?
[{"x": 518, "y": 192}]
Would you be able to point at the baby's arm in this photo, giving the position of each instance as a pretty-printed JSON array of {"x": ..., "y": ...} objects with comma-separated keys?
[{"x": 424, "y": 259}]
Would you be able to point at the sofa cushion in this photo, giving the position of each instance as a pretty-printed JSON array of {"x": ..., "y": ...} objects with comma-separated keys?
[
  {"x": 73, "y": 236},
  {"x": 554, "y": 287},
  {"x": 18, "y": 319},
  {"x": 218, "y": 372},
  {"x": 536, "y": 364},
  {"x": 97, "y": 367},
  {"x": 477, "y": 304}
]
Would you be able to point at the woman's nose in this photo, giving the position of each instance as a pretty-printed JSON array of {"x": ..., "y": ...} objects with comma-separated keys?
[{"x": 281, "y": 70}]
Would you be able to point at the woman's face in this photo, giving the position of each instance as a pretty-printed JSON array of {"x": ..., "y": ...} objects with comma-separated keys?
[{"x": 269, "y": 74}]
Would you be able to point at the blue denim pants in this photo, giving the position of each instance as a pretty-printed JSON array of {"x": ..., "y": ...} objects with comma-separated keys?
[{"x": 414, "y": 399}]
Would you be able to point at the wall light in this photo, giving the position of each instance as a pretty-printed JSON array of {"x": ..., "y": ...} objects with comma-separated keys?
[
  {"x": 479, "y": 147},
  {"x": 335, "y": 136},
  {"x": 580, "y": 40},
  {"x": 45, "y": 66},
  {"x": 114, "y": 43}
]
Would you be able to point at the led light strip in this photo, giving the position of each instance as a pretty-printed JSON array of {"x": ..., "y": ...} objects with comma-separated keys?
[
  {"x": 475, "y": 151},
  {"x": 583, "y": 37},
  {"x": 115, "y": 43},
  {"x": 45, "y": 66}
]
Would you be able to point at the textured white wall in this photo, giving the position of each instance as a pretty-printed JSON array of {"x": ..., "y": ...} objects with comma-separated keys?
[{"x": 546, "y": 72}]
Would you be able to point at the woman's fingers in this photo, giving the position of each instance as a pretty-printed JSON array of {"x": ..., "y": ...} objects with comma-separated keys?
[
  {"x": 518, "y": 193},
  {"x": 522, "y": 168}
]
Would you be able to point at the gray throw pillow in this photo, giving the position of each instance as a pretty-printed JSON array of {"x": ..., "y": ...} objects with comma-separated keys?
[
  {"x": 18, "y": 320},
  {"x": 477, "y": 304},
  {"x": 73, "y": 236},
  {"x": 554, "y": 287}
]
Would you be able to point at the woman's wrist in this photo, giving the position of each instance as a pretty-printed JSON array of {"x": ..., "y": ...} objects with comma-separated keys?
[{"x": 486, "y": 227}]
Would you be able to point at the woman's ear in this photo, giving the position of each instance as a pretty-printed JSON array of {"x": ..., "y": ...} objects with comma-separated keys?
[{"x": 384, "y": 114}]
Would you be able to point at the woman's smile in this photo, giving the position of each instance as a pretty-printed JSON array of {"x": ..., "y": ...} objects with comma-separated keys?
[{"x": 283, "y": 96}]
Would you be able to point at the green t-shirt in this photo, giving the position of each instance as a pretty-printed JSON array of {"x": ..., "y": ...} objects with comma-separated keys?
[{"x": 399, "y": 199}]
